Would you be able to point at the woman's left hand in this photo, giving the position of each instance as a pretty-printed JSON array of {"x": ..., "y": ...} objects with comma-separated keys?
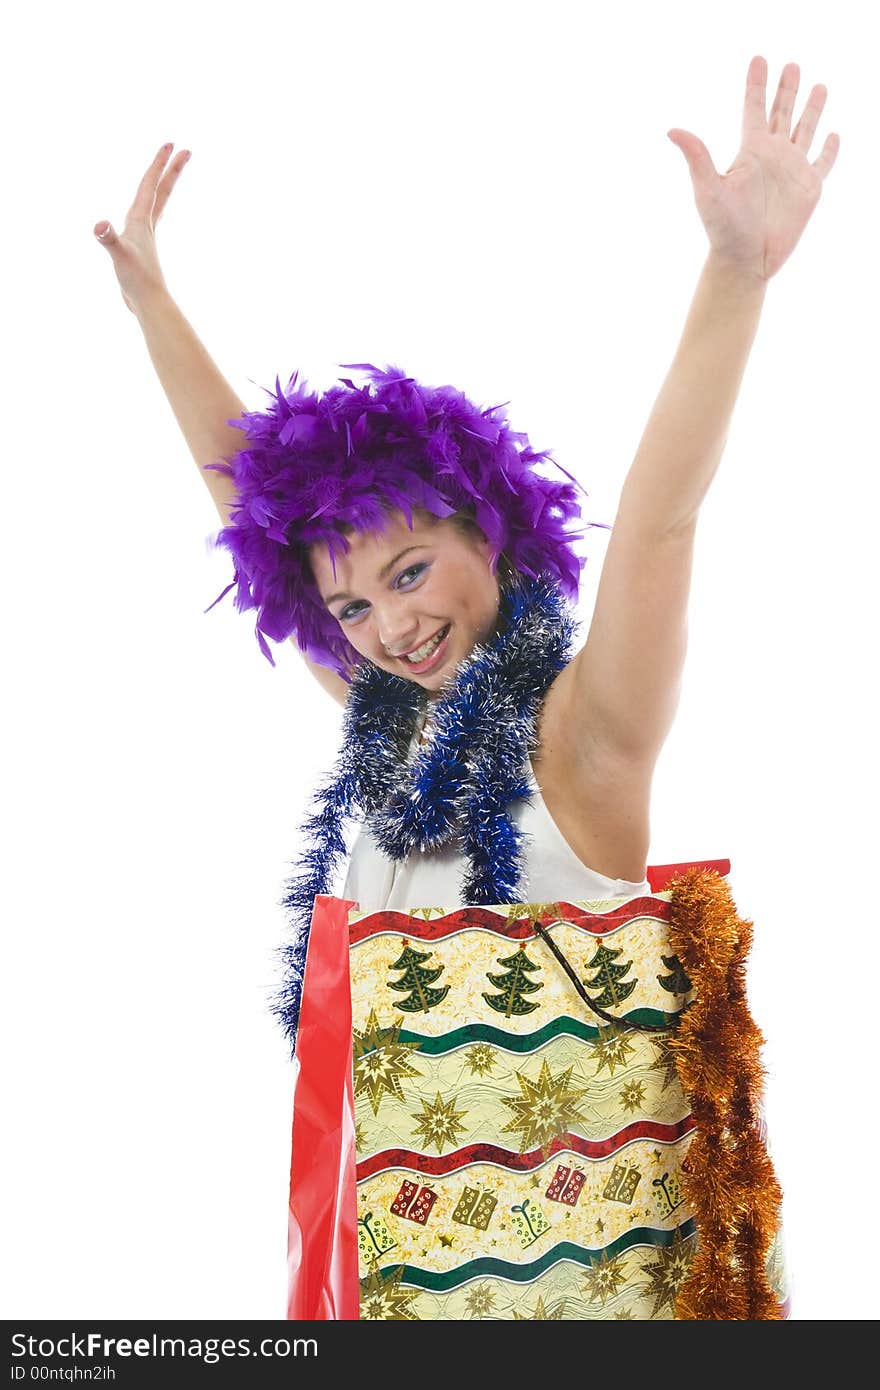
[{"x": 755, "y": 213}]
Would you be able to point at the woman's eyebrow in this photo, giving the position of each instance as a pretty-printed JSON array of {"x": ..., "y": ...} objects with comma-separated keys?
[{"x": 383, "y": 571}]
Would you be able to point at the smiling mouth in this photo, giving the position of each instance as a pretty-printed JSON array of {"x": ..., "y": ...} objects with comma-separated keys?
[{"x": 432, "y": 645}]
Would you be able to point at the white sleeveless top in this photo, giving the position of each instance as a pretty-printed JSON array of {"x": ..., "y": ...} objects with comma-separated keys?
[{"x": 551, "y": 869}]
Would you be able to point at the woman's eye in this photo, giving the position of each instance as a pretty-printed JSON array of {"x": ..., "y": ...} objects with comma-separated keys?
[
  {"x": 417, "y": 568},
  {"x": 348, "y": 613}
]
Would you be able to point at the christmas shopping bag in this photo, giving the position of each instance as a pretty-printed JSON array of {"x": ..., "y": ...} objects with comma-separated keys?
[{"x": 543, "y": 1110}]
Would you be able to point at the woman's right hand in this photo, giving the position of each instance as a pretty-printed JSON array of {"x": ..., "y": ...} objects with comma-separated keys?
[{"x": 134, "y": 254}]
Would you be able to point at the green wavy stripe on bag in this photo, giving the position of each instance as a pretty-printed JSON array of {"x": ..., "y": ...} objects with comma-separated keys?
[
  {"x": 526, "y": 1042},
  {"x": 413, "y": 1277}
]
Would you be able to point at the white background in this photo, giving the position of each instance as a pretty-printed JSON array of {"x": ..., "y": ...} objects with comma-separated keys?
[{"x": 483, "y": 194}]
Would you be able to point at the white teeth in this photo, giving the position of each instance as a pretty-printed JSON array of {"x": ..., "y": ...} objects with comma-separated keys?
[{"x": 422, "y": 652}]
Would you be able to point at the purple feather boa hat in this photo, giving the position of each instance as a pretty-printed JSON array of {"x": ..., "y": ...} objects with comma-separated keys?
[{"x": 311, "y": 465}]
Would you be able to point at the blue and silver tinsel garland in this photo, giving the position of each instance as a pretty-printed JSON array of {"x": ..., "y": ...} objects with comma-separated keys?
[{"x": 457, "y": 787}]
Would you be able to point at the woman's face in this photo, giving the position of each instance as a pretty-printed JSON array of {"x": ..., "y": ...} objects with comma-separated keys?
[{"x": 388, "y": 603}]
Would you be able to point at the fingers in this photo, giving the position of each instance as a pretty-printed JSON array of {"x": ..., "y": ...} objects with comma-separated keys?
[
  {"x": 825, "y": 162},
  {"x": 151, "y": 196},
  {"x": 170, "y": 179},
  {"x": 806, "y": 126},
  {"x": 700, "y": 163},
  {"x": 144, "y": 198},
  {"x": 755, "y": 106},
  {"x": 783, "y": 105}
]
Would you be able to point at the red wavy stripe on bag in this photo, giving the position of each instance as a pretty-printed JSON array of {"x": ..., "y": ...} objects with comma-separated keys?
[
  {"x": 521, "y": 1162},
  {"x": 471, "y": 918},
  {"x": 468, "y": 918}
]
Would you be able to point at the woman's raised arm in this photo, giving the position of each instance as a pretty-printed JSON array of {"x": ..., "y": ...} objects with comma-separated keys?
[{"x": 199, "y": 394}]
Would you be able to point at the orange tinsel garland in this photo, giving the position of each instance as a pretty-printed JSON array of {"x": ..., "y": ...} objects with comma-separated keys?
[{"x": 727, "y": 1176}]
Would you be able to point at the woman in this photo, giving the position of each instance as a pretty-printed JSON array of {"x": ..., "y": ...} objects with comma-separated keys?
[{"x": 368, "y": 559}]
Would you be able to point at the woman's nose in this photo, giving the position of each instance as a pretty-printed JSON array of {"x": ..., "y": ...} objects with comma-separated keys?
[{"x": 396, "y": 633}]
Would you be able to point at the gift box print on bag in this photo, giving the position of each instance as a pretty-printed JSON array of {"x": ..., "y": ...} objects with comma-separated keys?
[{"x": 523, "y": 1154}]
